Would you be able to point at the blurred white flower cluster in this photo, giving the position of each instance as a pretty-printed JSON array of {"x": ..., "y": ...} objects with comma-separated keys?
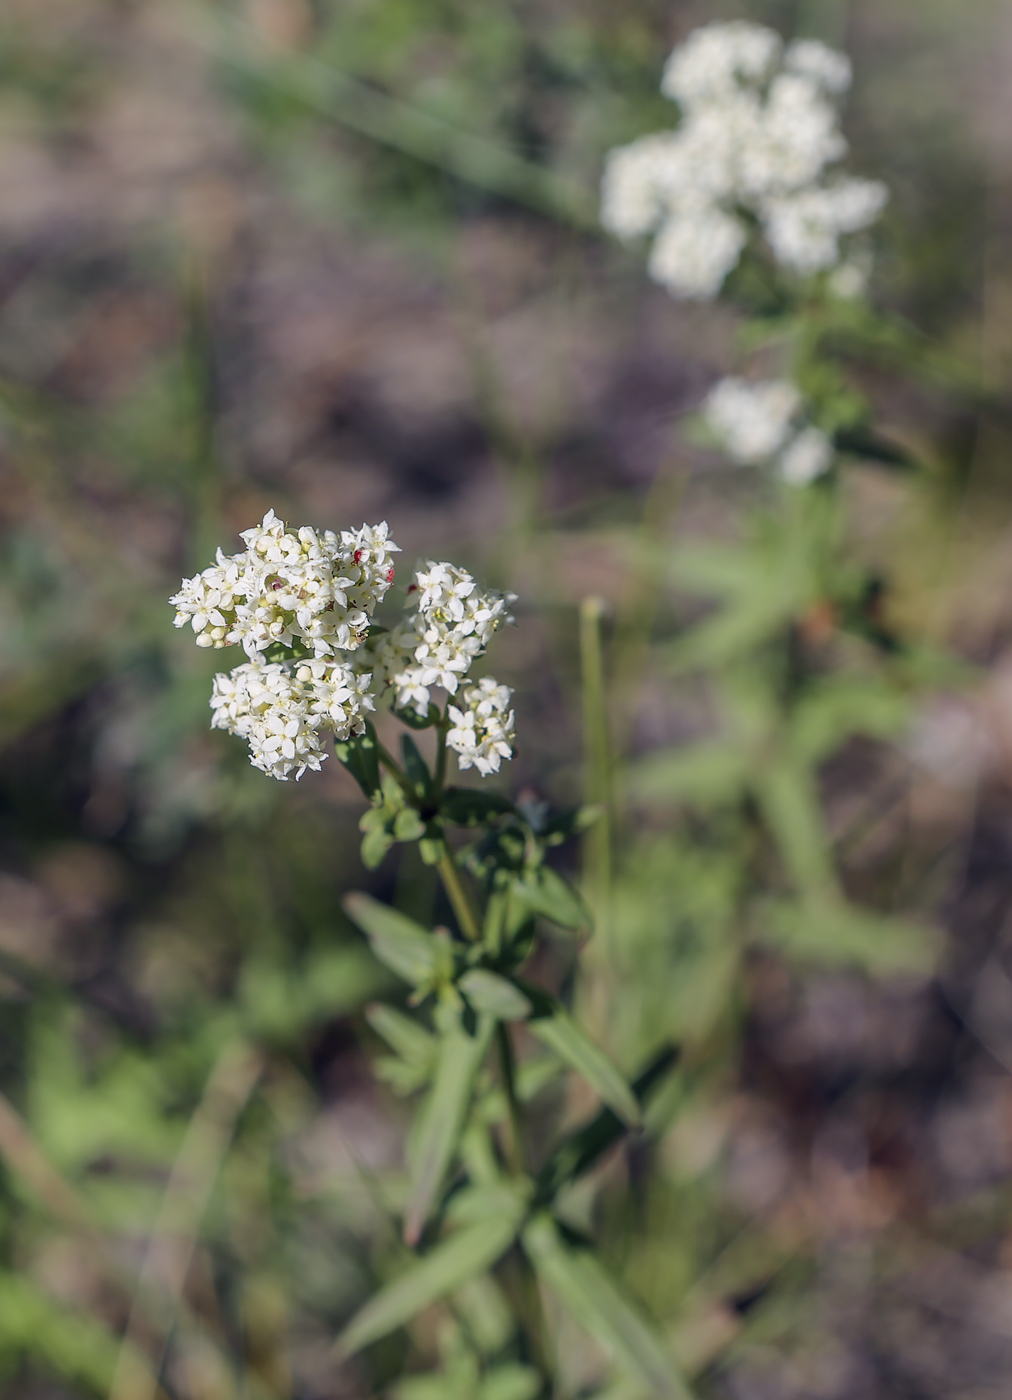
[
  {"x": 758, "y": 421},
  {"x": 759, "y": 129},
  {"x": 307, "y": 592}
]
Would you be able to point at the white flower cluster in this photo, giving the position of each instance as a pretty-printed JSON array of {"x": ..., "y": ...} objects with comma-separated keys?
[
  {"x": 305, "y": 590},
  {"x": 285, "y": 715},
  {"x": 483, "y": 732},
  {"x": 759, "y": 130},
  {"x": 318, "y": 588},
  {"x": 450, "y": 625},
  {"x": 758, "y": 421}
]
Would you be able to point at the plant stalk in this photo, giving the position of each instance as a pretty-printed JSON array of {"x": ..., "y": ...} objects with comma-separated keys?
[
  {"x": 597, "y": 844},
  {"x": 463, "y": 908}
]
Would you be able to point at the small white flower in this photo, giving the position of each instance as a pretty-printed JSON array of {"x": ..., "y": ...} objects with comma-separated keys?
[
  {"x": 482, "y": 734},
  {"x": 757, "y": 421},
  {"x": 693, "y": 253},
  {"x": 451, "y": 623},
  {"x": 286, "y": 716},
  {"x": 716, "y": 58},
  {"x": 320, "y": 589},
  {"x": 752, "y": 420},
  {"x": 804, "y": 229},
  {"x": 830, "y": 69},
  {"x": 808, "y": 456}
]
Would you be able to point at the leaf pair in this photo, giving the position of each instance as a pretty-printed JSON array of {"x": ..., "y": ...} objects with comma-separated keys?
[{"x": 424, "y": 960}]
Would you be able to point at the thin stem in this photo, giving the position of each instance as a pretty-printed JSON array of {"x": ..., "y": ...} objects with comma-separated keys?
[
  {"x": 396, "y": 772},
  {"x": 637, "y": 613},
  {"x": 467, "y": 915},
  {"x": 507, "y": 1067},
  {"x": 173, "y": 1240},
  {"x": 441, "y": 729},
  {"x": 597, "y": 761},
  {"x": 527, "y": 1294}
]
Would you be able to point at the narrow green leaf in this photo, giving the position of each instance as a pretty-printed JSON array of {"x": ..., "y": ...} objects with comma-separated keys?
[
  {"x": 416, "y": 768},
  {"x": 361, "y": 758},
  {"x": 403, "y": 1034},
  {"x": 543, "y": 891},
  {"x": 416, "y": 721},
  {"x": 408, "y": 825},
  {"x": 790, "y": 803},
  {"x": 864, "y": 442},
  {"x": 563, "y": 1036},
  {"x": 442, "y": 1118},
  {"x": 495, "y": 995},
  {"x": 444, "y": 1269},
  {"x": 510, "y": 1382},
  {"x": 405, "y": 947},
  {"x": 565, "y": 825},
  {"x": 467, "y": 807},
  {"x": 834, "y": 933},
  {"x": 708, "y": 773},
  {"x": 585, "y": 1147},
  {"x": 600, "y": 1307}
]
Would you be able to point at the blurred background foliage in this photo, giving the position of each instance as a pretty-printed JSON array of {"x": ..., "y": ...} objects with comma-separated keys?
[{"x": 339, "y": 257}]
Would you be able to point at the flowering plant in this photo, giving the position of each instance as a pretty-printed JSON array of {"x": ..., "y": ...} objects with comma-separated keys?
[{"x": 300, "y": 604}]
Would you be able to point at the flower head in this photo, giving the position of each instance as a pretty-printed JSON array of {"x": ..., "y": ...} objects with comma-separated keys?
[
  {"x": 759, "y": 131},
  {"x": 758, "y": 421},
  {"x": 313, "y": 593},
  {"x": 452, "y": 621},
  {"x": 482, "y": 733}
]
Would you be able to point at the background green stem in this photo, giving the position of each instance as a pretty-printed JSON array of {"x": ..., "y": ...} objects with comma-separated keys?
[
  {"x": 597, "y": 862},
  {"x": 467, "y": 915}
]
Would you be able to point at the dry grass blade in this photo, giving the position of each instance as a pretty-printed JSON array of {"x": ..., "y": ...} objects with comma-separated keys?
[{"x": 187, "y": 1195}]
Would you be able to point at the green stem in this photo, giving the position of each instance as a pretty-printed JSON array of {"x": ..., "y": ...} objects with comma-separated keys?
[
  {"x": 441, "y": 729},
  {"x": 527, "y": 1295},
  {"x": 597, "y": 761},
  {"x": 397, "y": 772},
  {"x": 467, "y": 915},
  {"x": 507, "y": 1068}
]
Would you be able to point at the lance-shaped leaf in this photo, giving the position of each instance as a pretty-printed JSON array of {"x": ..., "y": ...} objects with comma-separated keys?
[
  {"x": 555, "y": 1028},
  {"x": 583, "y": 1148},
  {"x": 416, "y": 721},
  {"x": 406, "y": 948},
  {"x": 444, "y": 1269},
  {"x": 442, "y": 1118},
  {"x": 496, "y": 996},
  {"x": 469, "y": 807},
  {"x": 416, "y": 768},
  {"x": 360, "y": 756},
  {"x": 402, "y": 1033},
  {"x": 601, "y": 1308},
  {"x": 543, "y": 891}
]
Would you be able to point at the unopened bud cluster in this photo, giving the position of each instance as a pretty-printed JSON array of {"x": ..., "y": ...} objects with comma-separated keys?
[
  {"x": 315, "y": 593},
  {"x": 759, "y": 129}
]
